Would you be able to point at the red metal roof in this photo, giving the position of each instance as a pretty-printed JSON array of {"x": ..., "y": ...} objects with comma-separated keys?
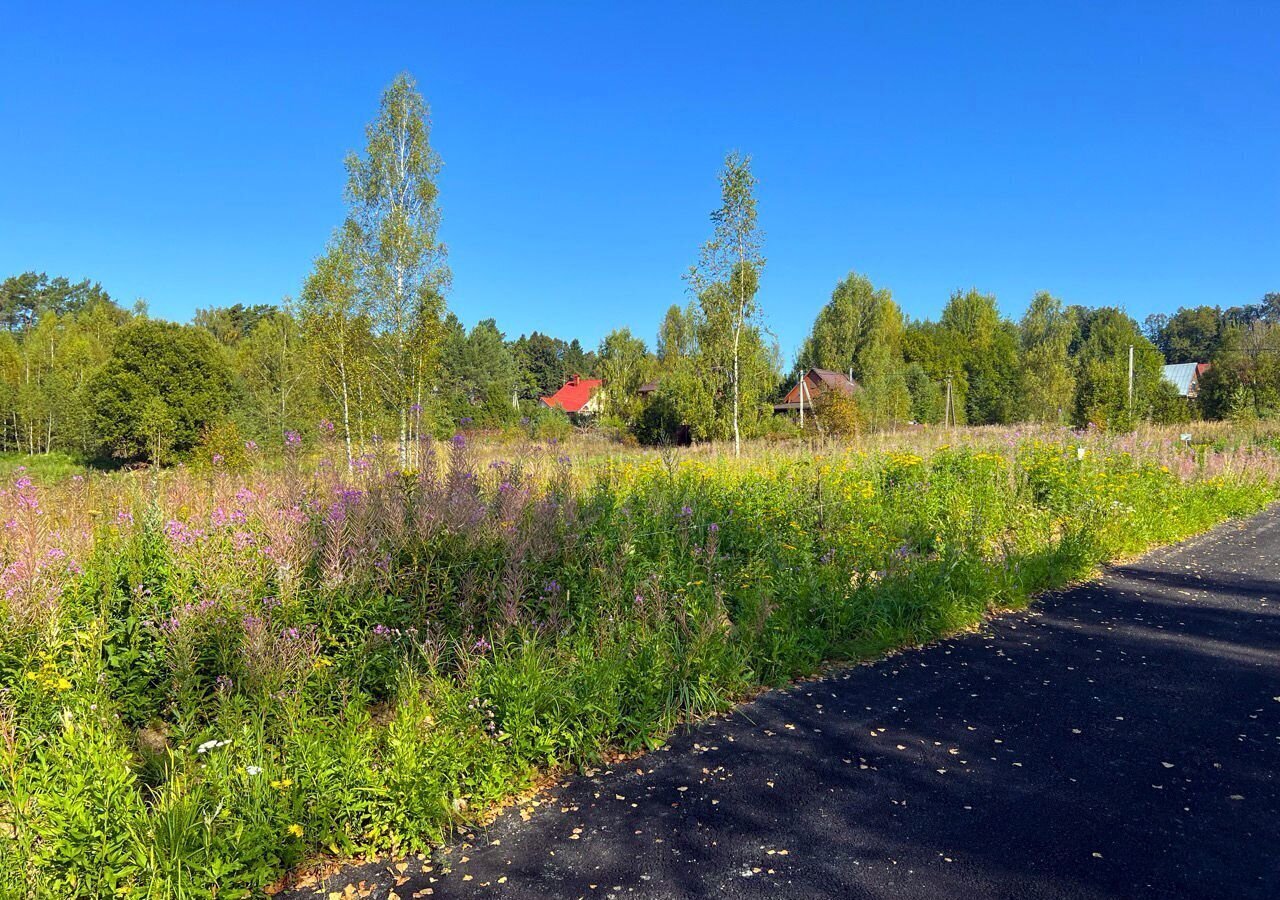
[{"x": 575, "y": 393}]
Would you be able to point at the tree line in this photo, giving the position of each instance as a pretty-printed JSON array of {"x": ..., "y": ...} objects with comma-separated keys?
[{"x": 369, "y": 353}]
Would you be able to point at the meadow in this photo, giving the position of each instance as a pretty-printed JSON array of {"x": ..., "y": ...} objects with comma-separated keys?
[{"x": 211, "y": 675}]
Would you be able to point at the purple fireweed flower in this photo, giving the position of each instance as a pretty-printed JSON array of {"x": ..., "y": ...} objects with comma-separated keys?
[
  {"x": 563, "y": 459},
  {"x": 124, "y": 517},
  {"x": 553, "y": 587},
  {"x": 326, "y": 426},
  {"x": 223, "y": 683},
  {"x": 415, "y": 407},
  {"x": 483, "y": 646},
  {"x": 466, "y": 420},
  {"x": 713, "y": 528},
  {"x": 381, "y": 630},
  {"x": 686, "y": 512},
  {"x": 218, "y": 459},
  {"x": 459, "y": 441},
  {"x": 292, "y": 439},
  {"x": 250, "y": 446},
  {"x": 290, "y": 634}
]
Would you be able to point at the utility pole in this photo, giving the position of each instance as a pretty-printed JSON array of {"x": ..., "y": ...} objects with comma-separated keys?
[
  {"x": 948, "y": 418},
  {"x": 1131, "y": 378},
  {"x": 802, "y": 393}
]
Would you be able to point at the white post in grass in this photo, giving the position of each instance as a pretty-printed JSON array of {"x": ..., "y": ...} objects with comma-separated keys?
[{"x": 1131, "y": 378}]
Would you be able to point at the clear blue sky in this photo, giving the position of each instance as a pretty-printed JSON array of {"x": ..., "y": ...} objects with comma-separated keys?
[{"x": 1113, "y": 153}]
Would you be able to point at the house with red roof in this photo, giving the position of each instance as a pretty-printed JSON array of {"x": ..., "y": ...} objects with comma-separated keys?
[{"x": 579, "y": 396}]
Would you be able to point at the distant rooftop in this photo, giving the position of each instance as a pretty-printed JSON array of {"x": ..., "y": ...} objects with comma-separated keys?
[{"x": 1183, "y": 376}]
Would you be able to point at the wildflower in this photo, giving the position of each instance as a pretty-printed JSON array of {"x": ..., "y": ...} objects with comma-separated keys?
[
  {"x": 296, "y": 830},
  {"x": 459, "y": 441},
  {"x": 211, "y": 745},
  {"x": 218, "y": 459},
  {"x": 292, "y": 439},
  {"x": 326, "y": 426},
  {"x": 713, "y": 528},
  {"x": 253, "y": 770},
  {"x": 686, "y": 512},
  {"x": 483, "y": 646},
  {"x": 283, "y": 784},
  {"x": 223, "y": 683},
  {"x": 250, "y": 446}
]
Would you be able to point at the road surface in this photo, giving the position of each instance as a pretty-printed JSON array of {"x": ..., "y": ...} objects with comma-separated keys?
[{"x": 1120, "y": 739}]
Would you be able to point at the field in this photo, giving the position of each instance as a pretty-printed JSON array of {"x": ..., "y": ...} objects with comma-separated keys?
[{"x": 209, "y": 677}]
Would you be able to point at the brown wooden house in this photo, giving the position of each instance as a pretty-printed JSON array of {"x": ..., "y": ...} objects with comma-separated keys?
[{"x": 812, "y": 385}]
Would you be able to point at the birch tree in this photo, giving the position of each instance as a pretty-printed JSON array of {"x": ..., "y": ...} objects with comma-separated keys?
[
  {"x": 727, "y": 274},
  {"x": 401, "y": 266},
  {"x": 334, "y": 324}
]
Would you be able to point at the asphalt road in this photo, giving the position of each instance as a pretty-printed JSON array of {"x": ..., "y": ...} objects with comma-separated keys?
[{"x": 1121, "y": 739}]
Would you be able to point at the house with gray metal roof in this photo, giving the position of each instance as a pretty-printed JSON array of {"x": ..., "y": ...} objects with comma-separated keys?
[{"x": 1185, "y": 377}]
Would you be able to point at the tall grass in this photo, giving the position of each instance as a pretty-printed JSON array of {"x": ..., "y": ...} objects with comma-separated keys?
[{"x": 206, "y": 678}]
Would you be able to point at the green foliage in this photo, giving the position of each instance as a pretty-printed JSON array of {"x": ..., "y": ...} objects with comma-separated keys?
[
  {"x": 725, "y": 281},
  {"x": 624, "y": 364},
  {"x": 1190, "y": 335},
  {"x": 162, "y": 386},
  {"x": 1048, "y": 376},
  {"x": 861, "y": 331},
  {"x": 1244, "y": 380},
  {"x": 1102, "y": 396},
  {"x": 401, "y": 267},
  {"x": 988, "y": 356}
]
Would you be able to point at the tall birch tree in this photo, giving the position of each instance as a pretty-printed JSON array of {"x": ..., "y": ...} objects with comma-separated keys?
[
  {"x": 727, "y": 273},
  {"x": 401, "y": 264}
]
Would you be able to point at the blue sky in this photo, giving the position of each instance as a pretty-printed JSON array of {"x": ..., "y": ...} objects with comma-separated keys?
[{"x": 1112, "y": 153}]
